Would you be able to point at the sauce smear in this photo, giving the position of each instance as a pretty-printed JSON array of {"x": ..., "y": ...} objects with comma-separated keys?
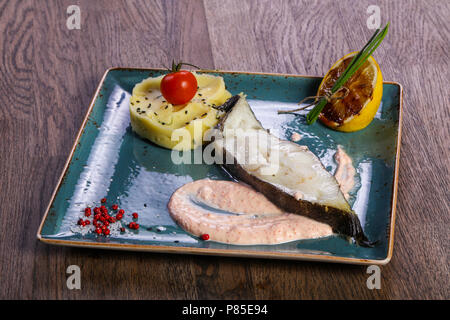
[
  {"x": 234, "y": 213},
  {"x": 345, "y": 173},
  {"x": 248, "y": 217}
]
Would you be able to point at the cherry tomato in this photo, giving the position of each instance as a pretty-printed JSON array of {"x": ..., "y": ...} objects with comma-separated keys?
[{"x": 179, "y": 87}]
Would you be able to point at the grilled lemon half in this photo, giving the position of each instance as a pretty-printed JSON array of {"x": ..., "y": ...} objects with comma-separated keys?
[
  {"x": 179, "y": 127},
  {"x": 357, "y": 105}
]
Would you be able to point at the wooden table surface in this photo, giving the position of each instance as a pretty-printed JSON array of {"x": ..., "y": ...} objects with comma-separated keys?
[{"x": 48, "y": 77}]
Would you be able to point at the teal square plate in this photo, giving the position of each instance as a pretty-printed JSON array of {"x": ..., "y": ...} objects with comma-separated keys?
[{"x": 109, "y": 160}]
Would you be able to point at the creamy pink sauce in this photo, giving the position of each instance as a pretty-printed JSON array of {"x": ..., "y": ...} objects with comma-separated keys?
[
  {"x": 296, "y": 136},
  {"x": 345, "y": 172},
  {"x": 249, "y": 218},
  {"x": 253, "y": 219}
]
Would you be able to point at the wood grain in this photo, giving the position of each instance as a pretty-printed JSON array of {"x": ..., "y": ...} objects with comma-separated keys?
[{"x": 48, "y": 75}]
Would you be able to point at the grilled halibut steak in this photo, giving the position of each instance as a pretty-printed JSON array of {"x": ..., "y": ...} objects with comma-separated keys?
[{"x": 288, "y": 174}]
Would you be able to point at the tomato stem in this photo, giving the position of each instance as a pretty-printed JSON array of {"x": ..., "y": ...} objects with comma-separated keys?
[{"x": 177, "y": 66}]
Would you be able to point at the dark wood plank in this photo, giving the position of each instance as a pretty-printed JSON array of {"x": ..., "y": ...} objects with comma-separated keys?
[{"x": 48, "y": 75}]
